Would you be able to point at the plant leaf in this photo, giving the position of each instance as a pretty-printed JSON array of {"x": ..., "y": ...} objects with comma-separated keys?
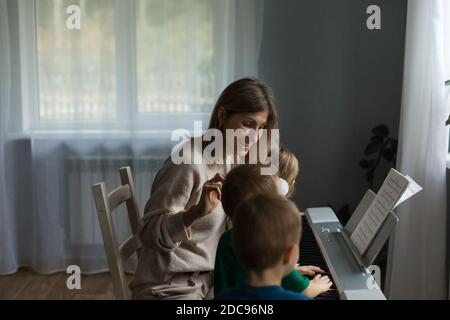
[
  {"x": 388, "y": 154},
  {"x": 394, "y": 145},
  {"x": 381, "y": 131},
  {"x": 369, "y": 175},
  {"x": 374, "y": 146},
  {"x": 364, "y": 164}
]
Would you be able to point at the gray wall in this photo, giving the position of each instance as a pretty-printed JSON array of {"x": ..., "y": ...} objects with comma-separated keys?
[{"x": 334, "y": 80}]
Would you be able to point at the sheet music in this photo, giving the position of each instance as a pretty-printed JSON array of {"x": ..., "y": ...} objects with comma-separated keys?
[
  {"x": 412, "y": 189},
  {"x": 391, "y": 191}
]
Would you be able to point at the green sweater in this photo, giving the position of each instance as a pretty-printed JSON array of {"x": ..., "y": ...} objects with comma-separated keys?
[{"x": 229, "y": 272}]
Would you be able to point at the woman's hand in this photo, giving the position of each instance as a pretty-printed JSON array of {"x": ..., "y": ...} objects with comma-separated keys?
[
  {"x": 211, "y": 195},
  {"x": 209, "y": 200}
]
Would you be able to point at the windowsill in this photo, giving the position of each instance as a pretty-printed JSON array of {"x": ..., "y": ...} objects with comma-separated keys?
[
  {"x": 162, "y": 128},
  {"x": 91, "y": 134}
]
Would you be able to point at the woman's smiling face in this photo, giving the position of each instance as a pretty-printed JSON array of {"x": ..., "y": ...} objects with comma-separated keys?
[{"x": 251, "y": 124}]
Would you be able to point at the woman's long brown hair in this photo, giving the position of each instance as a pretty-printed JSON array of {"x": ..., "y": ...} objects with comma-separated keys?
[{"x": 245, "y": 95}]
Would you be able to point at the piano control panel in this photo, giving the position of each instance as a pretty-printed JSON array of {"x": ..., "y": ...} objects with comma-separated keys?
[{"x": 352, "y": 279}]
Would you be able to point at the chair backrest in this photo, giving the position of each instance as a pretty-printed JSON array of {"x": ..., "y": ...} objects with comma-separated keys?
[{"x": 117, "y": 253}]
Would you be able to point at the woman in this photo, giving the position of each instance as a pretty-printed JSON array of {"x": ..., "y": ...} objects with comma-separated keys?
[{"x": 183, "y": 218}]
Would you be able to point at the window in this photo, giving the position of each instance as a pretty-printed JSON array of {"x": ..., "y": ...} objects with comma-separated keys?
[
  {"x": 76, "y": 68},
  {"x": 177, "y": 74},
  {"x": 150, "y": 64}
]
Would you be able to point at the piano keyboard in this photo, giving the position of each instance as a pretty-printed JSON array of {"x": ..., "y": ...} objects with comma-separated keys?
[
  {"x": 310, "y": 255},
  {"x": 323, "y": 244}
]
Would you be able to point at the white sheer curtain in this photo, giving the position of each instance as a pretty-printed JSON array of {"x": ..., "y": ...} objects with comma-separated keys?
[
  {"x": 78, "y": 104},
  {"x": 418, "y": 250},
  {"x": 8, "y": 254}
]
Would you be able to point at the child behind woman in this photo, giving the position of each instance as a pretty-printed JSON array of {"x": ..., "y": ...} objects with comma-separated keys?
[{"x": 266, "y": 236}]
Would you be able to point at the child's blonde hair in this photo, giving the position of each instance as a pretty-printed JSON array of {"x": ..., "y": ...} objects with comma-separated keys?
[{"x": 288, "y": 168}]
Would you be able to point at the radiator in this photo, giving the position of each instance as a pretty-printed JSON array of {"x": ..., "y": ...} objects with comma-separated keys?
[{"x": 83, "y": 172}]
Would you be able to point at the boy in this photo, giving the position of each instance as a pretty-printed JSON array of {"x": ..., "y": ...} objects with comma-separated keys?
[
  {"x": 266, "y": 236},
  {"x": 241, "y": 182}
]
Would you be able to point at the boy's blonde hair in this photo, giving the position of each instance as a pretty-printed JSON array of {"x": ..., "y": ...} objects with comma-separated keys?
[
  {"x": 265, "y": 225},
  {"x": 288, "y": 168},
  {"x": 243, "y": 181}
]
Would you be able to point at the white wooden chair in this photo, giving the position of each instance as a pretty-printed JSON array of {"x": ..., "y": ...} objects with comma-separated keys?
[{"x": 117, "y": 253}]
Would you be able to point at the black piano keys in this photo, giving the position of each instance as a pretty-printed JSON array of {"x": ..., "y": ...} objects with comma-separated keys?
[{"x": 310, "y": 254}]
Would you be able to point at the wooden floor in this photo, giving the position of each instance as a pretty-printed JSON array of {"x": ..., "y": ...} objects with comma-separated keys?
[{"x": 26, "y": 284}]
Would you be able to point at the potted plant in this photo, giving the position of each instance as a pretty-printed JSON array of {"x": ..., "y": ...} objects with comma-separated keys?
[{"x": 381, "y": 146}]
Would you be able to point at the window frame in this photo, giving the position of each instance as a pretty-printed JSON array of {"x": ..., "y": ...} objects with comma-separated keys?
[{"x": 128, "y": 119}]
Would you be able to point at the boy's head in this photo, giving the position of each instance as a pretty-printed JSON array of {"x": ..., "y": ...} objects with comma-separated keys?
[
  {"x": 288, "y": 168},
  {"x": 266, "y": 233},
  {"x": 243, "y": 181}
]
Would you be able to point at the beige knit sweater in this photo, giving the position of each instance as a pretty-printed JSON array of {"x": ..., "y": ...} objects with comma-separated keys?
[{"x": 169, "y": 248}]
